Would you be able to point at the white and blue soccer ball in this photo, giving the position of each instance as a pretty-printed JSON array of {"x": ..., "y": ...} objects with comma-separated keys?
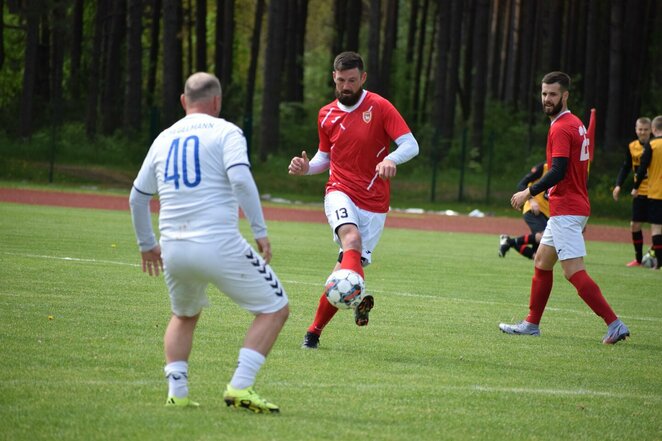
[
  {"x": 649, "y": 260},
  {"x": 344, "y": 289}
]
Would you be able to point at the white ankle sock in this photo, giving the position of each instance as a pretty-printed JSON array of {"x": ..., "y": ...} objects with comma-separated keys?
[
  {"x": 249, "y": 364},
  {"x": 177, "y": 375}
]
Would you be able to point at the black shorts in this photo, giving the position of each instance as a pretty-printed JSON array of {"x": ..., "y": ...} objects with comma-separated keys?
[
  {"x": 537, "y": 223},
  {"x": 655, "y": 211},
  {"x": 640, "y": 209}
]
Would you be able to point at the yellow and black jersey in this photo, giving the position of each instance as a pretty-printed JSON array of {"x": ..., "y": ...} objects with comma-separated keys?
[
  {"x": 531, "y": 178},
  {"x": 632, "y": 161}
]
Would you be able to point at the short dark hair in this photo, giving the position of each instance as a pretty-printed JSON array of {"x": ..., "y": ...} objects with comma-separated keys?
[
  {"x": 557, "y": 77},
  {"x": 348, "y": 60}
]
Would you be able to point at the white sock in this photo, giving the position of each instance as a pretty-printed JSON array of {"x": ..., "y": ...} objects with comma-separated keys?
[
  {"x": 249, "y": 364},
  {"x": 177, "y": 375}
]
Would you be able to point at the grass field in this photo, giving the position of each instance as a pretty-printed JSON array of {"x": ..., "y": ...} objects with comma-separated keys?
[{"x": 81, "y": 343}]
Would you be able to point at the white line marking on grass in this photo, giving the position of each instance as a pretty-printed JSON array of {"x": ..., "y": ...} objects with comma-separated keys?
[
  {"x": 298, "y": 282},
  {"x": 497, "y": 390},
  {"x": 286, "y": 384},
  {"x": 71, "y": 259}
]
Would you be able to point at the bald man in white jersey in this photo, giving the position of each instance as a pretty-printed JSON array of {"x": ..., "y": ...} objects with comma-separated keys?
[{"x": 199, "y": 168}]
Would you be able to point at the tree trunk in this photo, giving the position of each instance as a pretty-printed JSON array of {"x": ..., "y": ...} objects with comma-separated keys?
[
  {"x": 201, "y": 36},
  {"x": 224, "y": 43},
  {"x": 190, "y": 49},
  {"x": 354, "y": 11},
  {"x": 556, "y": 25},
  {"x": 339, "y": 28},
  {"x": 111, "y": 95},
  {"x": 479, "y": 89},
  {"x": 496, "y": 35},
  {"x": 172, "y": 62},
  {"x": 153, "y": 50},
  {"x": 441, "y": 68},
  {"x": 94, "y": 77},
  {"x": 411, "y": 32},
  {"x": 29, "y": 70},
  {"x": 294, "y": 50},
  {"x": 134, "y": 66},
  {"x": 511, "y": 78},
  {"x": 450, "y": 100},
  {"x": 273, "y": 67},
  {"x": 527, "y": 62},
  {"x": 390, "y": 39},
  {"x": 374, "y": 82},
  {"x": 418, "y": 71},
  {"x": 2, "y": 33},
  {"x": 76, "y": 49},
  {"x": 591, "y": 59},
  {"x": 218, "y": 40},
  {"x": 615, "y": 74},
  {"x": 252, "y": 71},
  {"x": 468, "y": 44}
]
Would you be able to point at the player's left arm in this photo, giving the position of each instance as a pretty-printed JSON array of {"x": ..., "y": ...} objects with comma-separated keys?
[
  {"x": 407, "y": 148},
  {"x": 396, "y": 128}
]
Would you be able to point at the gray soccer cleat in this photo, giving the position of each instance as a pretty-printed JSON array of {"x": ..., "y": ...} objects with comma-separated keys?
[
  {"x": 616, "y": 332},
  {"x": 521, "y": 328}
]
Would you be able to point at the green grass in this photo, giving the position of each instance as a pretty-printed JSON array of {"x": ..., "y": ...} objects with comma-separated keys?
[{"x": 431, "y": 365}]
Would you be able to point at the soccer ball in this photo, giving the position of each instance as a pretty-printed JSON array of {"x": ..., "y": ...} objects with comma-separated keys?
[
  {"x": 344, "y": 289},
  {"x": 649, "y": 260}
]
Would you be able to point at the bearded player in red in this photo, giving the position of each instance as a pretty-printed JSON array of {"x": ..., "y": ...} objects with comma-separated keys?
[
  {"x": 355, "y": 133},
  {"x": 568, "y": 152}
]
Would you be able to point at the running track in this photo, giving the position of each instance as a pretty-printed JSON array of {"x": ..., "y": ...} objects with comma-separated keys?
[{"x": 429, "y": 222}]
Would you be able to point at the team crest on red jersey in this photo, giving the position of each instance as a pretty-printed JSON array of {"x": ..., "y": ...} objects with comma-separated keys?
[{"x": 367, "y": 116}]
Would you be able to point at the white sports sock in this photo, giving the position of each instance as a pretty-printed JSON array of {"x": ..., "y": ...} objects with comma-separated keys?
[
  {"x": 249, "y": 364},
  {"x": 177, "y": 375}
]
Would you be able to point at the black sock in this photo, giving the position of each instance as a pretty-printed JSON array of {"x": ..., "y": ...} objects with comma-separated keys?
[
  {"x": 527, "y": 252},
  {"x": 638, "y": 242},
  {"x": 657, "y": 247}
]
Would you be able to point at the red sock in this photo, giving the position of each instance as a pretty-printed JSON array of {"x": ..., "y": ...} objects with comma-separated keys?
[
  {"x": 541, "y": 288},
  {"x": 323, "y": 315},
  {"x": 351, "y": 259},
  {"x": 590, "y": 293}
]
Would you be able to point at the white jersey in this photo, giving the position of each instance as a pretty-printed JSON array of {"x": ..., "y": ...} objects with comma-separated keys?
[{"x": 187, "y": 166}]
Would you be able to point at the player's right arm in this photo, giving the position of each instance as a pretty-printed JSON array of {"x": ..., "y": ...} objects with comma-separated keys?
[
  {"x": 301, "y": 165},
  {"x": 622, "y": 174}
]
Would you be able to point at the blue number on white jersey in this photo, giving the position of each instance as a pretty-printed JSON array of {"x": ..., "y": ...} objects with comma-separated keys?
[{"x": 172, "y": 162}]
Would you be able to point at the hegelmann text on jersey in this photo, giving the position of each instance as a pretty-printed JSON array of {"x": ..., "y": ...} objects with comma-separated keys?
[{"x": 191, "y": 127}]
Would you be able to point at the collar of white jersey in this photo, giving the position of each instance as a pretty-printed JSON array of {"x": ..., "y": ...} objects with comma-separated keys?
[
  {"x": 347, "y": 109},
  {"x": 559, "y": 116}
]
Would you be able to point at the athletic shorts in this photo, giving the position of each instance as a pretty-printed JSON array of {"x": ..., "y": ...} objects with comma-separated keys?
[
  {"x": 640, "y": 210},
  {"x": 536, "y": 223},
  {"x": 655, "y": 211},
  {"x": 564, "y": 233},
  {"x": 341, "y": 210},
  {"x": 230, "y": 264}
]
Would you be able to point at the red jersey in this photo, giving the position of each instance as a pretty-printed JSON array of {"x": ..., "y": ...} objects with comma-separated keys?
[
  {"x": 567, "y": 138},
  {"x": 356, "y": 142}
]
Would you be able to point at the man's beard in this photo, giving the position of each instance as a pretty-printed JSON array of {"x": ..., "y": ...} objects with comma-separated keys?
[
  {"x": 349, "y": 99},
  {"x": 555, "y": 110}
]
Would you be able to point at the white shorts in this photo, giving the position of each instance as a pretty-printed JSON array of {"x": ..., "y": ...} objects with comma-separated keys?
[
  {"x": 341, "y": 210},
  {"x": 564, "y": 233},
  {"x": 231, "y": 264}
]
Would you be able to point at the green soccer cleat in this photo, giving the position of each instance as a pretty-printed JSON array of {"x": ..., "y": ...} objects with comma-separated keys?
[
  {"x": 248, "y": 399},
  {"x": 181, "y": 402}
]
